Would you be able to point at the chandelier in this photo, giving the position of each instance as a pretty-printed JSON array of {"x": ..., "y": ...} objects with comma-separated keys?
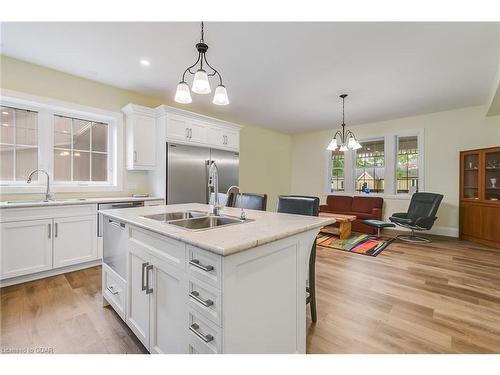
[
  {"x": 345, "y": 140},
  {"x": 201, "y": 85}
]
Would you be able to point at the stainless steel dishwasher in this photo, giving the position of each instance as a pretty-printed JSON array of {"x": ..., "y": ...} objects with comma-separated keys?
[{"x": 115, "y": 246}]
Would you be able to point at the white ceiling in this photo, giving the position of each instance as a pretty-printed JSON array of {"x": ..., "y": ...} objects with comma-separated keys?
[{"x": 285, "y": 76}]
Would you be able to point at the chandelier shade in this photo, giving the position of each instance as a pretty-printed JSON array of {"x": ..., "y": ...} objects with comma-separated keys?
[
  {"x": 182, "y": 94},
  {"x": 201, "y": 83},
  {"x": 344, "y": 140}
]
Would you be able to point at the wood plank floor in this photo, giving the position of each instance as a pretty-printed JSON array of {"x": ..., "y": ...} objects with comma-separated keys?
[{"x": 437, "y": 298}]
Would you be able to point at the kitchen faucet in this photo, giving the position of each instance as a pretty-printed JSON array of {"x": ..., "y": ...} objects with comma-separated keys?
[
  {"x": 237, "y": 191},
  {"x": 48, "y": 194},
  {"x": 213, "y": 185}
]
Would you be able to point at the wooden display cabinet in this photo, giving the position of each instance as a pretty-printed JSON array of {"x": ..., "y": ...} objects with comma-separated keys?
[{"x": 480, "y": 196}]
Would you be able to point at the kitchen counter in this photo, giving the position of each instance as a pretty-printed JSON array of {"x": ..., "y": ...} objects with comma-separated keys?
[
  {"x": 72, "y": 201},
  {"x": 263, "y": 227}
]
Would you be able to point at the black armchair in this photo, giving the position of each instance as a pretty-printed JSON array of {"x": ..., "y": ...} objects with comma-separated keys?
[{"x": 421, "y": 215}]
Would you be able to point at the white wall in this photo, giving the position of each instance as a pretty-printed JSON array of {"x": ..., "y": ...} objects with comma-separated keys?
[{"x": 446, "y": 134}]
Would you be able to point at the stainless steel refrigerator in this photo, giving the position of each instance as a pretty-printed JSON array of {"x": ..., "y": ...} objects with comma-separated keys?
[{"x": 187, "y": 172}]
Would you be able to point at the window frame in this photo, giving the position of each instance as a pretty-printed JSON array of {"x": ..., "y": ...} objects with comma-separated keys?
[
  {"x": 390, "y": 162},
  {"x": 46, "y": 109}
]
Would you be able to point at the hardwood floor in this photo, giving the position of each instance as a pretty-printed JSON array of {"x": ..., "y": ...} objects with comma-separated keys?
[{"x": 438, "y": 298}]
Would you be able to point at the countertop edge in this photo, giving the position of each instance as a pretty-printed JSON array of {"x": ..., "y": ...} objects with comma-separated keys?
[{"x": 218, "y": 250}]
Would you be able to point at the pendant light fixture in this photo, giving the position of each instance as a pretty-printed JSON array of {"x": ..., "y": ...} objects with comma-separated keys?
[
  {"x": 344, "y": 140},
  {"x": 201, "y": 84}
]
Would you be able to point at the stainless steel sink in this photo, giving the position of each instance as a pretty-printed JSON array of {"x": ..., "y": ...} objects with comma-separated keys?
[
  {"x": 206, "y": 222},
  {"x": 168, "y": 216}
]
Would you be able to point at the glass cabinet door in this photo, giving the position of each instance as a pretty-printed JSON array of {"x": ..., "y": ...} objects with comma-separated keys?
[
  {"x": 492, "y": 176},
  {"x": 470, "y": 176}
]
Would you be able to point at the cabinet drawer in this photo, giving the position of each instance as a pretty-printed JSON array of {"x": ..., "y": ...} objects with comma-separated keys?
[
  {"x": 114, "y": 290},
  {"x": 169, "y": 250},
  {"x": 204, "y": 336},
  {"x": 206, "y": 300},
  {"x": 205, "y": 266}
]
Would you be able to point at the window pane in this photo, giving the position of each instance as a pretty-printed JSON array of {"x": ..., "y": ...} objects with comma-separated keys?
[
  {"x": 81, "y": 166},
  {"x": 62, "y": 165},
  {"x": 6, "y": 163},
  {"x": 81, "y": 134},
  {"x": 407, "y": 165},
  {"x": 26, "y": 161},
  {"x": 7, "y": 125},
  {"x": 99, "y": 167},
  {"x": 26, "y": 127},
  {"x": 370, "y": 167},
  {"x": 337, "y": 183},
  {"x": 62, "y": 132},
  {"x": 99, "y": 137}
]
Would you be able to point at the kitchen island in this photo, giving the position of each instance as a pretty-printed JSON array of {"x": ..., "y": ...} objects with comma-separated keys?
[{"x": 235, "y": 288}]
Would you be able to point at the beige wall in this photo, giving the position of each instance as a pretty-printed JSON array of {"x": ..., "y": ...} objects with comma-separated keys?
[
  {"x": 260, "y": 170},
  {"x": 446, "y": 133}
]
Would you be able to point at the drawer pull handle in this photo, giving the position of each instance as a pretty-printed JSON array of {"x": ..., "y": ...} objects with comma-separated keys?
[
  {"x": 205, "y": 338},
  {"x": 197, "y": 264},
  {"x": 149, "y": 290},
  {"x": 143, "y": 285},
  {"x": 196, "y": 296},
  {"x": 112, "y": 290}
]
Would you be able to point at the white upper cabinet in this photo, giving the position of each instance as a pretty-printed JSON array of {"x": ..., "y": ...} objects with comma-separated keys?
[
  {"x": 141, "y": 137},
  {"x": 194, "y": 129}
]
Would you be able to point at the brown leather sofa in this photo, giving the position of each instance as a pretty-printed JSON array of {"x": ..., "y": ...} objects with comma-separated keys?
[{"x": 364, "y": 208}]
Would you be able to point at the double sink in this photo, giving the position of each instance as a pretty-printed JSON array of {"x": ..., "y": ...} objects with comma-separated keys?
[{"x": 195, "y": 220}]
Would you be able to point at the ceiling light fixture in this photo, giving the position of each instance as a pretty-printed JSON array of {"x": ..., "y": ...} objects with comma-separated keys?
[
  {"x": 345, "y": 140},
  {"x": 201, "y": 84},
  {"x": 145, "y": 62}
]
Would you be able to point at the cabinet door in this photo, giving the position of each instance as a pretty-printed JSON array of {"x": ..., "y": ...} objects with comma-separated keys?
[
  {"x": 137, "y": 298},
  {"x": 144, "y": 135},
  {"x": 178, "y": 128},
  {"x": 26, "y": 247},
  {"x": 168, "y": 324},
  {"x": 232, "y": 138},
  {"x": 75, "y": 240},
  {"x": 197, "y": 132}
]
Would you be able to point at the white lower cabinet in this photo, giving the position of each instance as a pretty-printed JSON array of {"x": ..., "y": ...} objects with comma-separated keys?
[
  {"x": 26, "y": 247},
  {"x": 74, "y": 240}
]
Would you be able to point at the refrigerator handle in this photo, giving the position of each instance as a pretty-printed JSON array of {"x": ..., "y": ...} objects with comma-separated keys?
[{"x": 207, "y": 190}]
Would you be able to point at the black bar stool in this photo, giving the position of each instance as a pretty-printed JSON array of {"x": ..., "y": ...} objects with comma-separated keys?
[{"x": 304, "y": 205}]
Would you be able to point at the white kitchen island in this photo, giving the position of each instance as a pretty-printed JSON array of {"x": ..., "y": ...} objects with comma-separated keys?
[{"x": 233, "y": 289}]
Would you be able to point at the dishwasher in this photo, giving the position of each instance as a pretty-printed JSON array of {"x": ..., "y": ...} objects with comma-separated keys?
[{"x": 115, "y": 246}]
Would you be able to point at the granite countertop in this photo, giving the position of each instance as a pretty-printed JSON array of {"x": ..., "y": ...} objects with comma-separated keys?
[
  {"x": 263, "y": 227},
  {"x": 72, "y": 201}
]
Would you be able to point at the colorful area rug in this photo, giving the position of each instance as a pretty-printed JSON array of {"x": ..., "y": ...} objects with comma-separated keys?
[{"x": 357, "y": 243}]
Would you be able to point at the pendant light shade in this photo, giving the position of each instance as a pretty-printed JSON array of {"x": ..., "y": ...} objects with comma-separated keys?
[
  {"x": 332, "y": 146},
  {"x": 357, "y": 146},
  {"x": 200, "y": 83},
  {"x": 182, "y": 95},
  {"x": 220, "y": 97},
  {"x": 343, "y": 148}
]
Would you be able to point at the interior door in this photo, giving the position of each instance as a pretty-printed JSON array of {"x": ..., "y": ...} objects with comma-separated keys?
[
  {"x": 228, "y": 168},
  {"x": 26, "y": 247},
  {"x": 75, "y": 240},
  {"x": 168, "y": 317},
  {"x": 137, "y": 298},
  {"x": 187, "y": 178}
]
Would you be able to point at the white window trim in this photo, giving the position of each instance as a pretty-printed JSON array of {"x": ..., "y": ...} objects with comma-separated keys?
[
  {"x": 390, "y": 158},
  {"x": 46, "y": 109}
]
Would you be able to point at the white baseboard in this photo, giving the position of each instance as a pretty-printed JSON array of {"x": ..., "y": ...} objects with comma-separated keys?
[
  {"x": 445, "y": 231},
  {"x": 42, "y": 275}
]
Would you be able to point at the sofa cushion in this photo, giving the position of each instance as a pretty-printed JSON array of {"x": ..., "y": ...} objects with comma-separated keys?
[
  {"x": 365, "y": 204},
  {"x": 339, "y": 203}
]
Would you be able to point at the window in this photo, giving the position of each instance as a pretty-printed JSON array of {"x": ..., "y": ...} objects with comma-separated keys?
[
  {"x": 18, "y": 143},
  {"x": 80, "y": 150},
  {"x": 338, "y": 162},
  {"x": 370, "y": 167},
  {"x": 407, "y": 165},
  {"x": 77, "y": 146}
]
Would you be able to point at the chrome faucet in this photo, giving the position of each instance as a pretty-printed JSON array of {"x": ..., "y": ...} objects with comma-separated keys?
[
  {"x": 237, "y": 191},
  {"x": 213, "y": 185},
  {"x": 48, "y": 194}
]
